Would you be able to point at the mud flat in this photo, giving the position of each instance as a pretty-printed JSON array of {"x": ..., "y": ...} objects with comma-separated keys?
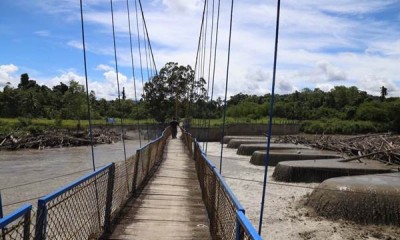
[
  {"x": 249, "y": 149},
  {"x": 291, "y": 155},
  {"x": 320, "y": 170},
  {"x": 363, "y": 199},
  {"x": 227, "y": 139},
  {"x": 285, "y": 215}
]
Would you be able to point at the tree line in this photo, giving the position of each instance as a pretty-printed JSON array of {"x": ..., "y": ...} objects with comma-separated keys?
[
  {"x": 63, "y": 101},
  {"x": 176, "y": 92}
]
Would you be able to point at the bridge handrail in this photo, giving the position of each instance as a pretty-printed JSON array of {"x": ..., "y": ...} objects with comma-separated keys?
[
  {"x": 86, "y": 208},
  {"x": 246, "y": 228},
  {"x": 62, "y": 190},
  {"x": 17, "y": 224},
  {"x": 226, "y": 214}
]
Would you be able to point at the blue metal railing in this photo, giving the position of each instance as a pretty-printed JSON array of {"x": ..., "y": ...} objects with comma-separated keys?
[
  {"x": 86, "y": 208},
  {"x": 245, "y": 229},
  {"x": 17, "y": 224},
  {"x": 226, "y": 214},
  {"x": 84, "y": 200}
]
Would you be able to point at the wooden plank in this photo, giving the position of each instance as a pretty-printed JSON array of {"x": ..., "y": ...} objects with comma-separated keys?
[{"x": 170, "y": 206}]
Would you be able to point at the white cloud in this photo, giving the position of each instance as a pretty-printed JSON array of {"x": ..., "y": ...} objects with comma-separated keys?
[
  {"x": 75, "y": 44},
  {"x": 373, "y": 83},
  {"x": 7, "y": 75},
  {"x": 66, "y": 77},
  {"x": 326, "y": 87},
  {"x": 104, "y": 88},
  {"x": 104, "y": 67},
  {"x": 43, "y": 33},
  {"x": 321, "y": 45},
  {"x": 179, "y": 6},
  {"x": 330, "y": 73}
]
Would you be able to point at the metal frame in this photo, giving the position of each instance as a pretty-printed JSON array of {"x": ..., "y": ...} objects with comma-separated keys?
[
  {"x": 25, "y": 212},
  {"x": 244, "y": 228},
  {"x": 248, "y": 228}
]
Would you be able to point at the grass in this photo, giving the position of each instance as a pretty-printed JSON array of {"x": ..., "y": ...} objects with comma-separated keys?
[
  {"x": 38, "y": 125},
  {"x": 230, "y": 120},
  {"x": 68, "y": 123}
]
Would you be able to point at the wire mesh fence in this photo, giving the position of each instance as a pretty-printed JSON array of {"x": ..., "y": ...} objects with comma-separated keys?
[
  {"x": 86, "y": 208},
  {"x": 221, "y": 204},
  {"x": 17, "y": 225},
  {"x": 76, "y": 211}
]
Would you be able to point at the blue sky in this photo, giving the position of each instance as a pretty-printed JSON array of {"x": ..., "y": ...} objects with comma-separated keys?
[{"x": 322, "y": 43}]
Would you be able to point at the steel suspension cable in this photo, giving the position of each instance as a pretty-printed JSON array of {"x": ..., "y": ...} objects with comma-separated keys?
[
  {"x": 88, "y": 108},
  {"x": 87, "y": 85},
  {"x": 204, "y": 43},
  {"x": 145, "y": 53},
  {"x": 140, "y": 55},
  {"x": 211, "y": 46},
  {"x": 119, "y": 92},
  {"x": 133, "y": 72},
  {"x": 197, "y": 56},
  {"x": 226, "y": 87},
  {"x": 139, "y": 44},
  {"x": 209, "y": 77},
  {"x": 148, "y": 56},
  {"x": 204, "y": 58},
  {"x": 147, "y": 34},
  {"x": 271, "y": 111}
]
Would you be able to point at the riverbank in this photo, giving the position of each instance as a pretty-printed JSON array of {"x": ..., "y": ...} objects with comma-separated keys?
[
  {"x": 51, "y": 138},
  {"x": 285, "y": 213}
]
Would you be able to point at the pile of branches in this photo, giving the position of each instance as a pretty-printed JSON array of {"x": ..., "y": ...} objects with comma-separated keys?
[
  {"x": 294, "y": 139},
  {"x": 382, "y": 147},
  {"x": 57, "y": 138}
]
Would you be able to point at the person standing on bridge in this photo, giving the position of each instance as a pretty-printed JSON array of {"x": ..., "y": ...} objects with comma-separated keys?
[{"x": 174, "y": 127}]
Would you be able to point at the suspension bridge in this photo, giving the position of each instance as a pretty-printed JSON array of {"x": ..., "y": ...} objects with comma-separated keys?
[{"x": 168, "y": 190}]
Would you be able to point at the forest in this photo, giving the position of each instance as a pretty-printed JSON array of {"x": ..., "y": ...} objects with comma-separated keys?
[{"x": 346, "y": 110}]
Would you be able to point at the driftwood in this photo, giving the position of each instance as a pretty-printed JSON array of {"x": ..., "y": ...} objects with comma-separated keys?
[
  {"x": 58, "y": 138},
  {"x": 382, "y": 147}
]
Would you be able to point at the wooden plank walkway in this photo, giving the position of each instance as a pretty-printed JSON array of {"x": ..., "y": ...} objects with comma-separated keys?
[{"x": 170, "y": 206}]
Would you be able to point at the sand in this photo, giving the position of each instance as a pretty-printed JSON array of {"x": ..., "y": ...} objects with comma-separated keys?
[{"x": 285, "y": 216}]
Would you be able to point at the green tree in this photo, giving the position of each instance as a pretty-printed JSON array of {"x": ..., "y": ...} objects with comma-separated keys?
[
  {"x": 24, "y": 80},
  {"x": 169, "y": 92},
  {"x": 74, "y": 102},
  {"x": 383, "y": 93}
]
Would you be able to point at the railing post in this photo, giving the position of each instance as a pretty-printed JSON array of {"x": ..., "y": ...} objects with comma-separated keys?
[
  {"x": 41, "y": 221},
  {"x": 135, "y": 171},
  {"x": 27, "y": 225},
  {"x": 195, "y": 152},
  {"x": 1, "y": 207},
  {"x": 1, "y": 216},
  {"x": 214, "y": 205},
  {"x": 109, "y": 198},
  {"x": 238, "y": 237}
]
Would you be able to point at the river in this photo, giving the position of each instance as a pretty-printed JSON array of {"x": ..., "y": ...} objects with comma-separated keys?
[
  {"x": 285, "y": 217},
  {"x": 21, "y": 171}
]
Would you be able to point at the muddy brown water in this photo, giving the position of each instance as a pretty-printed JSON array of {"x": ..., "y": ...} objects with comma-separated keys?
[{"x": 28, "y": 166}]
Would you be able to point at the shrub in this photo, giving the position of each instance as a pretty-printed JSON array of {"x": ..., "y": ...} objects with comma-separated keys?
[
  {"x": 336, "y": 126},
  {"x": 24, "y": 122}
]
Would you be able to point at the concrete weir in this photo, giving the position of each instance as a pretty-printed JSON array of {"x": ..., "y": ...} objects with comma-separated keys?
[
  {"x": 320, "y": 170},
  {"x": 227, "y": 139},
  {"x": 291, "y": 155},
  {"x": 364, "y": 199},
  {"x": 249, "y": 149},
  {"x": 235, "y": 143}
]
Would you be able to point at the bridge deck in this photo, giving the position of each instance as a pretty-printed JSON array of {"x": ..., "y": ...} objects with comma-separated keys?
[{"x": 170, "y": 206}]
